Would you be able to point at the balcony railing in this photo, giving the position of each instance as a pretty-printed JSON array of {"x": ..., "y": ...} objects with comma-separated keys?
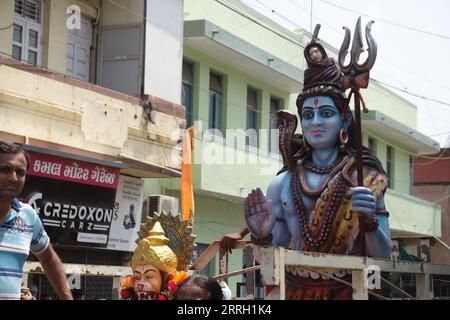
[{"x": 274, "y": 260}]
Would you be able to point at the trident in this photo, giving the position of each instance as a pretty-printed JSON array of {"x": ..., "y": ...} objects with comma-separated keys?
[{"x": 356, "y": 76}]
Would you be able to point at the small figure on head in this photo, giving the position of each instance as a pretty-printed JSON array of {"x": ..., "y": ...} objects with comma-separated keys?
[{"x": 315, "y": 54}]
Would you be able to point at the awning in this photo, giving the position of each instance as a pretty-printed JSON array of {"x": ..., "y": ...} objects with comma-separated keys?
[{"x": 143, "y": 169}]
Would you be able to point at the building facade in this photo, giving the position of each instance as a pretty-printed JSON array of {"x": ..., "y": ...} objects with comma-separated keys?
[
  {"x": 78, "y": 91},
  {"x": 92, "y": 83},
  {"x": 432, "y": 183}
]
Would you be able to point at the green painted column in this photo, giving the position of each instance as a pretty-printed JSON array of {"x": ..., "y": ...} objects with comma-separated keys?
[
  {"x": 402, "y": 174},
  {"x": 236, "y": 102},
  {"x": 264, "y": 118},
  {"x": 201, "y": 93}
]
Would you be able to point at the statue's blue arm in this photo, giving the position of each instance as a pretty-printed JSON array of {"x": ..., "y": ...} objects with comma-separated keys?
[
  {"x": 280, "y": 232},
  {"x": 378, "y": 242}
]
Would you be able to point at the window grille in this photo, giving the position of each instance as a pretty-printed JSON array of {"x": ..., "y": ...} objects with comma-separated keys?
[{"x": 29, "y": 9}]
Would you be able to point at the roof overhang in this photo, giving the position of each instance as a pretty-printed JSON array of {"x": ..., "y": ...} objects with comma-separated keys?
[
  {"x": 142, "y": 169},
  {"x": 392, "y": 130},
  {"x": 408, "y": 234},
  {"x": 210, "y": 39}
]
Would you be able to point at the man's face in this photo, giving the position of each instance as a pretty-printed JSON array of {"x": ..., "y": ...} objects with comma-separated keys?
[
  {"x": 147, "y": 282},
  {"x": 13, "y": 168}
]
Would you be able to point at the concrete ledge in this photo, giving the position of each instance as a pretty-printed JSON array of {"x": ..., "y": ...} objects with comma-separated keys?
[{"x": 386, "y": 126}]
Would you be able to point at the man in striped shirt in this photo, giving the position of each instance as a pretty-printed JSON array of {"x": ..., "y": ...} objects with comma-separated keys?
[{"x": 21, "y": 230}]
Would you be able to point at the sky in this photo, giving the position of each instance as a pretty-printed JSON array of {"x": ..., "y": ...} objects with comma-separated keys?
[{"x": 413, "y": 38}]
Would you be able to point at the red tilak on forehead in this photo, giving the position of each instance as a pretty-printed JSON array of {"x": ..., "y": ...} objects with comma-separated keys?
[{"x": 316, "y": 102}]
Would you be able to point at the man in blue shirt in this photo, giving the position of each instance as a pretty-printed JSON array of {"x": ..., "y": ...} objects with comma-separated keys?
[{"x": 21, "y": 230}]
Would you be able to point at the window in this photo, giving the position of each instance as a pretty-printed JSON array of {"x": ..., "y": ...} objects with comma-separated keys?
[
  {"x": 187, "y": 93},
  {"x": 29, "y": 9},
  {"x": 373, "y": 145},
  {"x": 215, "y": 101},
  {"x": 390, "y": 166},
  {"x": 275, "y": 105},
  {"x": 27, "y": 31},
  {"x": 252, "y": 109},
  {"x": 79, "y": 42}
]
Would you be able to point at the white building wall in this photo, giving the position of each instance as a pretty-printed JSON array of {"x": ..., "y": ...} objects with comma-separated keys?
[{"x": 164, "y": 49}]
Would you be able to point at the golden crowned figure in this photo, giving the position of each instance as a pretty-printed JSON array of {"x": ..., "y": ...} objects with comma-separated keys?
[{"x": 157, "y": 272}]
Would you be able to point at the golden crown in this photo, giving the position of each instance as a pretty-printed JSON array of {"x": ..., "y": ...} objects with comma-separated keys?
[{"x": 154, "y": 250}]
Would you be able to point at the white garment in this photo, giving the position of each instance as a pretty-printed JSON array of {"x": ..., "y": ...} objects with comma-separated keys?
[{"x": 226, "y": 292}]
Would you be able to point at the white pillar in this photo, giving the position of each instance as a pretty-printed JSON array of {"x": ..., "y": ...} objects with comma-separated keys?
[
  {"x": 423, "y": 291},
  {"x": 359, "y": 278}
]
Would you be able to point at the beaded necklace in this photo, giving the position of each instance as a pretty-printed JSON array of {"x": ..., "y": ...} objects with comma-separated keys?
[
  {"x": 316, "y": 239},
  {"x": 304, "y": 183},
  {"x": 320, "y": 170}
]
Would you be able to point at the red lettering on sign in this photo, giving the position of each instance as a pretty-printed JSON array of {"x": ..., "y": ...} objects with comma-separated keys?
[{"x": 59, "y": 168}]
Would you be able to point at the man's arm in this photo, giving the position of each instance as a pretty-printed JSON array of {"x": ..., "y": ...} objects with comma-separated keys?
[
  {"x": 228, "y": 241},
  {"x": 53, "y": 268}
]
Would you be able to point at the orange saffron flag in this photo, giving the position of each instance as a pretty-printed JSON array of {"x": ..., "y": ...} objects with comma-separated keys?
[{"x": 187, "y": 192}]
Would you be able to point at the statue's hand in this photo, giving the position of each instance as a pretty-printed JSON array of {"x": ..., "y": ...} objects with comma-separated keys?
[
  {"x": 363, "y": 202},
  {"x": 258, "y": 214}
]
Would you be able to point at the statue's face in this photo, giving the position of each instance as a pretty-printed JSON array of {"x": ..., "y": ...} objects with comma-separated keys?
[
  {"x": 321, "y": 122},
  {"x": 147, "y": 282},
  {"x": 315, "y": 54}
]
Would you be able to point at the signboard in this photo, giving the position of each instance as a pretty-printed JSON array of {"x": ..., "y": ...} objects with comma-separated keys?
[
  {"x": 127, "y": 218},
  {"x": 44, "y": 165},
  {"x": 74, "y": 199}
]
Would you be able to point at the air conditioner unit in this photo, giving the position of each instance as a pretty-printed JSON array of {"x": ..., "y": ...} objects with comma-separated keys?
[{"x": 159, "y": 203}]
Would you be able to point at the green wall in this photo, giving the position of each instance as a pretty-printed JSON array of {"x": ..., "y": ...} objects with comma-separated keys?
[
  {"x": 288, "y": 46},
  {"x": 235, "y": 91},
  {"x": 402, "y": 176},
  {"x": 218, "y": 217},
  {"x": 285, "y": 48}
]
